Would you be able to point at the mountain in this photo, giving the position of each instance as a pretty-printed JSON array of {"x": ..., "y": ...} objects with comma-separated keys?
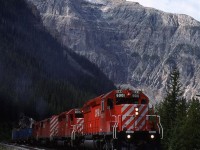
[
  {"x": 134, "y": 46},
  {"x": 38, "y": 76}
]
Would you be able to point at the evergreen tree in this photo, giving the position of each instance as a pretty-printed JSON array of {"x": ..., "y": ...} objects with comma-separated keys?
[
  {"x": 190, "y": 131},
  {"x": 168, "y": 109},
  {"x": 180, "y": 118},
  {"x": 174, "y": 94},
  {"x": 176, "y": 140}
]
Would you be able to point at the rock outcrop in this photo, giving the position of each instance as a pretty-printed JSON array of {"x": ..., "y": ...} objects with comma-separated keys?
[{"x": 133, "y": 45}]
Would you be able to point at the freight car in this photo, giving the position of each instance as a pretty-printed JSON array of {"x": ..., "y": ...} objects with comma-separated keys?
[
  {"x": 120, "y": 119},
  {"x": 23, "y": 133}
]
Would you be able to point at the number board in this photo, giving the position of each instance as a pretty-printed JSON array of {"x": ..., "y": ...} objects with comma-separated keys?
[
  {"x": 120, "y": 95},
  {"x": 135, "y": 95}
]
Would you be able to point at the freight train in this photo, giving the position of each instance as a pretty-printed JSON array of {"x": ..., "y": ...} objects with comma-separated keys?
[{"x": 120, "y": 119}]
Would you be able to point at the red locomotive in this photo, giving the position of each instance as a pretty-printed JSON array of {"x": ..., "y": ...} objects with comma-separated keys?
[
  {"x": 120, "y": 118},
  {"x": 116, "y": 120},
  {"x": 70, "y": 127}
]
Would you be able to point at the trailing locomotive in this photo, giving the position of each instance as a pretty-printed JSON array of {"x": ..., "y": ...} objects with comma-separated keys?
[{"x": 116, "y": 120}]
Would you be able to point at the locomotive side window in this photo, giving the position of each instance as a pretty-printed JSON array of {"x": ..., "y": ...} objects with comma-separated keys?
[
  {"x": 41, "y": 124},
  {"x": 102, "y": 105},
  {"x": 60, "y": 119},
  {"x": 44, "y": 125},
  {"x": 144, "y": 101},
  {"x": 110, "y": 103},
  {"x": 66, "y": 118},
  {"x": 79, "y": 115},
  {"x": 71, "y": 117}
]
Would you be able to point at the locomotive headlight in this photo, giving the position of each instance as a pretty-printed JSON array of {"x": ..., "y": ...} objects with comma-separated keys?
[
  {"x": 152, "y": 136},
  {"x": 136, "y": 109},
  {"x": 128, "y": 136},
  {"x": 136, "y": 113}
]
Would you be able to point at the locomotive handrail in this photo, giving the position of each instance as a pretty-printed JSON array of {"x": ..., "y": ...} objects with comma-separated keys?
[
  {"x": 73, "y": 136},
  {"x": 159, "y": 125},
  {"x": 115, "y": 127}
]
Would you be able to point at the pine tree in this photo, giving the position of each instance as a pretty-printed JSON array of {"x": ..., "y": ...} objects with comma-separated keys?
[
  {"x": 176, "y": 139},
  {"x": 180, "y": 118},
  {"x": 168, "y": 109},
  {"x": 190, "y": 131},
  {"x": 174, "y": 94}
]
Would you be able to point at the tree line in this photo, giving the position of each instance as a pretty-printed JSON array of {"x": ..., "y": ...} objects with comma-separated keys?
[{"x": 180, "y": 117}]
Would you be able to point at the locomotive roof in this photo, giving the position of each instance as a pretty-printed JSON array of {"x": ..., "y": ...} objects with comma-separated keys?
[
  {"x": 97, "y": 100},
  {"x": 70, "y": 111}
]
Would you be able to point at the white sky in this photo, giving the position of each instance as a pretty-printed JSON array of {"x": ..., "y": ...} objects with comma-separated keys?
[{"x": 189, "y": 7}]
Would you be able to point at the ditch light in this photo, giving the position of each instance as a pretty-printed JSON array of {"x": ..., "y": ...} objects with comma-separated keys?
[{"x": 128, "y": 136}]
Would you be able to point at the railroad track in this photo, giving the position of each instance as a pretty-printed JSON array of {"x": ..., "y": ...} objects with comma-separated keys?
[
  {"x": 9, "y": 146},
  {"x": 14, "y": 146}
]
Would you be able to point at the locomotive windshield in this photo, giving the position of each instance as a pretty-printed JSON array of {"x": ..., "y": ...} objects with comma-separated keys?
[
  {"x": 79, "y": 115},
  {"x": 123, "y": 100}
]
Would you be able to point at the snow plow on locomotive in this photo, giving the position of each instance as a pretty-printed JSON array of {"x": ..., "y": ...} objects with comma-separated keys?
[{"x": 120, "y": 119}]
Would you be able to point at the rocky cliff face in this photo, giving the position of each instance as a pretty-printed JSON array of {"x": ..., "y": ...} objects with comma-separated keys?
[{"x": 134, "y": 46}]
